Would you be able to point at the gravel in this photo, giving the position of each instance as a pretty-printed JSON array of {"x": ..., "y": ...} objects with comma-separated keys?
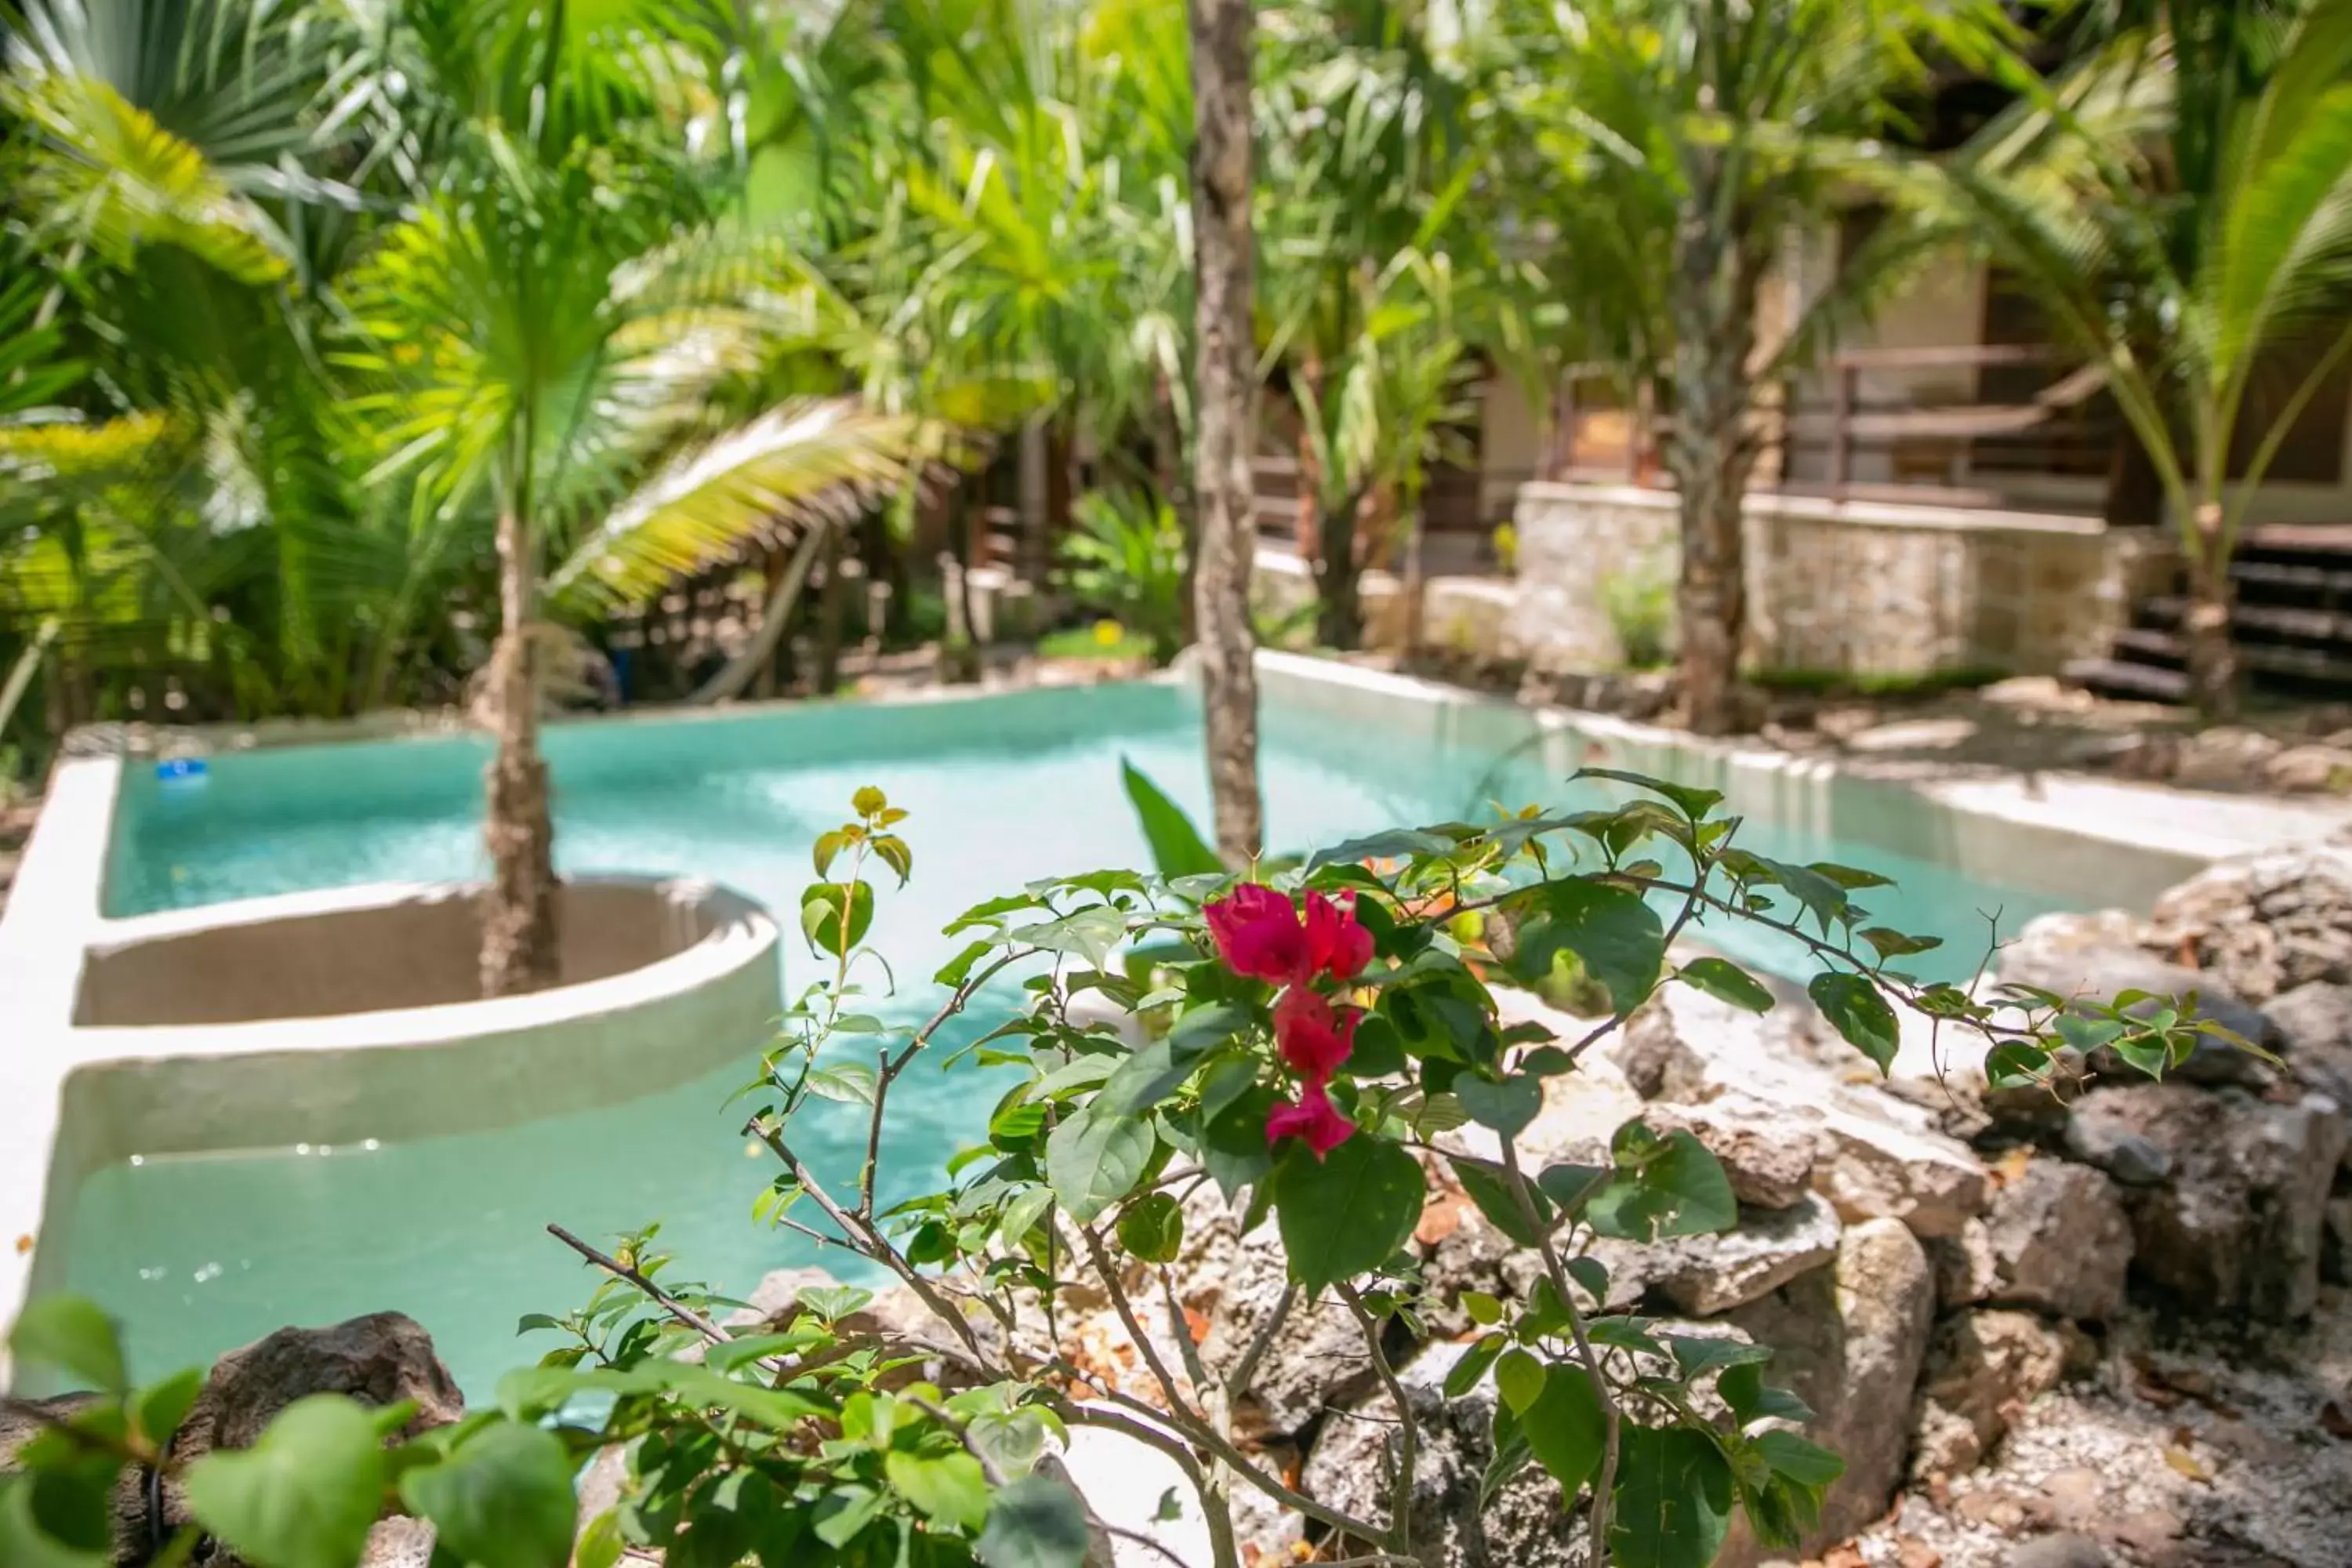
[{"x": 2216, "y": 1447}]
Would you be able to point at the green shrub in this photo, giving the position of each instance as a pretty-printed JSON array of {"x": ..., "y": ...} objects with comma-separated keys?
[
  {"x": 1125, "y": 560},
  {"x": 1640, "y": 605}
]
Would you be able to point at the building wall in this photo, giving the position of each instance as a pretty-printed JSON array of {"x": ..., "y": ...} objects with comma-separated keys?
[{"x": 1853, "y": 589}]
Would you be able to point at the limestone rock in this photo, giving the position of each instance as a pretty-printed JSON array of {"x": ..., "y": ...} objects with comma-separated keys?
[
  {"x": 2060, "y": 1242},
  {"x": 398, "y": 1543},
  {"x": 2237, "y": 1225},
  {"x": 1235, "y": 1283},
  {"x": 382, "y": 1359},
  {"x": 2311, "y": 769},
  {"x": 1525, "y": 1525},
  {"x": 1872, "y": 1167},
  {"x": 2067, "y": 1551},
  {"x": 2263, "y": 924},
  {"x": 1704, "y": 1275},
  {"x": 1767, "y": 1150},
  {"x": 1849, "y": 1340},
  {"x": 1655, "y": 1057},
  {"x": 1982, "y": 1366},
  {"x": 2315, "y": 1032},
  {"x": 2108, "y": 1142},
  {"x": 1965, "y": 1271}
]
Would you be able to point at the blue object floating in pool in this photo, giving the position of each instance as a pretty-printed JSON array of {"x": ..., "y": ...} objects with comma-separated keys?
[{"x": 181, "y": 769}]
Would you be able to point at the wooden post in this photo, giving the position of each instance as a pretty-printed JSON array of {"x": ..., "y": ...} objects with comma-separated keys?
[
  {"x": 1841, "y": 433},
  {"x": 1563, "y": 430},
  {"x": 1637, "y": 432}
]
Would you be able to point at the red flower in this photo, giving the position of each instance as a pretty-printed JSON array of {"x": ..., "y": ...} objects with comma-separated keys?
[
  {"x": 1258, "y": 933},
  {"x": 1336, "y": 943},
  {"x": 1314, "y": 1036},
  {"x": 1314, "y": 1120}
]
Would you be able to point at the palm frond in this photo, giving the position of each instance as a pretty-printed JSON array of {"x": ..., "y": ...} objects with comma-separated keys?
[{"x": 806, "y": 465}]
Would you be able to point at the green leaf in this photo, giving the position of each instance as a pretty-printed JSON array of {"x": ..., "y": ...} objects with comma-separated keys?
[
  {"x": 1093, "y": 1159},
  {"x": 949, "y": 1487},
  {"x": 304, "y": 1495},
  {"x": 1856, "y": 1010},
  {"x": 1036, "y": 1522},
  {"x": 1726, "y": 982},
  {"x": 1807, "y": 1464},
  {"x": 1570, "y": 1186},
  {"x": 1692, "y": 802},
  {"x": 1391, "y": 843},
  {"x": 1694, "y": 1356},
  {"x": 1891, "y": 943},
  {"x": 868, "y": 800},
  {"x": 1743, "y": 1388},
  {"x": 1177, "y": 848},
  {"x": 823, "y": 908},
  {"x": 1616, "y": 935},
  {"x": 1519, "y": 1378},
  {"x": 1506, "y": 1107},
  {"x": 847, "y": 1083},
  {"x": 957, "y": 970},
  {"x": 1473, "y": 1365},
  {"x": 601, "y": 1544},
  {"x": 1346, "y": 1213},
  {"x": 1673, "y": 1498},
  {"x": 502, "y": 1500},
  {"x": 1565, "y": 1426},
  {"x": 158, "y": 1409},
  {"x": 1671, "y": 1186},
  {"x": 49, "y": 1520},
  {"x": 1152, "y": 1227},
  {"x": 1489, "y": 1187},
  {"x": 71, "y": 1334},
  {"x": 2013, "y": 1064}
]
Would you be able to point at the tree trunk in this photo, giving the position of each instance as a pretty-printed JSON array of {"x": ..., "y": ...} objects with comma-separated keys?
[
  {"x": 1710, "y": 450},
  {"x": 1339, "y": 623},
  {"x": 832, "y": 615},
  {"x": 2212, "y": 652},
  {"x": 1226, "y": 389},
  {"x": 519, "y": 950}
]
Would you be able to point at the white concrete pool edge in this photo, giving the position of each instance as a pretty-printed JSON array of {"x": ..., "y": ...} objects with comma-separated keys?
[
  {"x": 2192, "y": 828},
  {"x": 59, "y": 1079}
]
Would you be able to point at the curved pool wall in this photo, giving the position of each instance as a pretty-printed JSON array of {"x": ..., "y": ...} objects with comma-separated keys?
[{"x": 440, "y": 1213}]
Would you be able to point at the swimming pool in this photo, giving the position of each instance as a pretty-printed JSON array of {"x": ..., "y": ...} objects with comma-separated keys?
[{"x": 197, "y": 1254}]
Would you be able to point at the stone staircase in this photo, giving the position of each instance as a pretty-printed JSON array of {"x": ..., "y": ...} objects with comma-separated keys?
[{"x": 2293, "y": 623}]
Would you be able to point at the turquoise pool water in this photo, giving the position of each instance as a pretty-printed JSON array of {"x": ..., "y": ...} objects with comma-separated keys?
[{"x": 200, "y": 1254}]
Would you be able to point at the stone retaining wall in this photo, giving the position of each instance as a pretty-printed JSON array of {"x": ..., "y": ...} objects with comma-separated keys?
[{"x": 1857, "y": 588}]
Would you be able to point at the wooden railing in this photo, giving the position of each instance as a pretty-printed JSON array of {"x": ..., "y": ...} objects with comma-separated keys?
[{"x": 1852, "y": 439}]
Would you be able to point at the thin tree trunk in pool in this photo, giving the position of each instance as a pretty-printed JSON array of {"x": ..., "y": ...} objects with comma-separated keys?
[
  {"x": 2213, "y": 668},
  {"x": 1710, "y": 449},
  {"x": 1339, "y": 574},
  {"x": 519, "y": 949},
  {"x": 1226, "y": 382}
]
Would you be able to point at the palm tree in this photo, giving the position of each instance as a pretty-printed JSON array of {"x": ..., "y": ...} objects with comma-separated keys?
[
  {"x": 543, "y": 346},
  {"x": 1683, "y": 142},
  {"x": 1371, "y": 165},
  {"x": 2181, "y": 204},
  {"x": 1224, "y": 404}
]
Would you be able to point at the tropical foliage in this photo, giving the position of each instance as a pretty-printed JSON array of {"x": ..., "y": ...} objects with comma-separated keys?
[{"x": 2181, "y": 203}]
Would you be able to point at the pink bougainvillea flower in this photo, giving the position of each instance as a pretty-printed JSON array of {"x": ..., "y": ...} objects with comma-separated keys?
[
  {"x": 1313, "y": 1120},
  {"x": 1261, "y": 934},
  {"x": 1314, "y": 1036},
  {"x": 1258, "y": 933},
  {"x": 1336, "y": 943}
]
